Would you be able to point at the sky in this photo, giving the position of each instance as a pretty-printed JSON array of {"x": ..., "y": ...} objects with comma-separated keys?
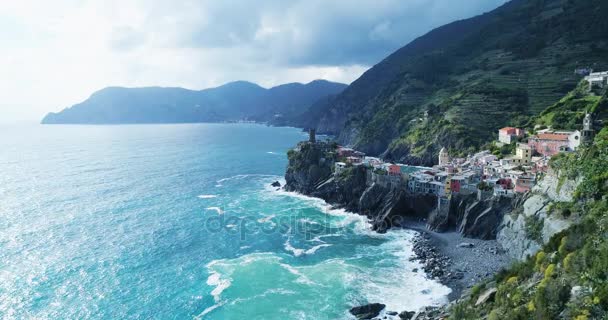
[{"x": 54, "y": 54}]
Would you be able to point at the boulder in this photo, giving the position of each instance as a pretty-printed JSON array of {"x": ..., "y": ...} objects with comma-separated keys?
[
  {"x": 488, "y": 295},
  {"x": 465, "y": 245},
  {"x": 368, "y": 311},
  {"x": 276, "y": 184},
  {"x": 392, "y": 313}
]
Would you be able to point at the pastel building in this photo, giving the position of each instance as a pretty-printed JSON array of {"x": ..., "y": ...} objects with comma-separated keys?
[
  {"x": 524, "y": 183},
  {"x": 523, "y": 155},
  {"x": 549, "y": 143},
  {"x": 509, "y": 134}
]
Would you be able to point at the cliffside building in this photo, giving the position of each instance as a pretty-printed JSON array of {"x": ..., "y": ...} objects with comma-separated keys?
[
  {"x": 509, "y": 134},
  {"x": 444, "y": 157},
  {"x": 597, "y": 79},
  {"x": 550, "y": 143},
  {"x": 523, "y": 155}
]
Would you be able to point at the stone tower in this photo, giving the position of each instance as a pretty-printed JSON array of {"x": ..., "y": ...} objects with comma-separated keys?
[
  {"x": 588, "y": 132},
  {"x": 312, "y": 136},
  {"x": 444, "y": 157}
]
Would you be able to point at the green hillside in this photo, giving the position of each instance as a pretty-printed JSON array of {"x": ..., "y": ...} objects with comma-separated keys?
[
  {"x": 470, "y": 77},
  {"x": 568, "y": 278}
]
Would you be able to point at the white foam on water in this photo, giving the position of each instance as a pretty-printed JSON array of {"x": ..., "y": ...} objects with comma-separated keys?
[
  {"x": 215, "y": 280},
  {"x": 404, "y": 289},
  {"x": 299, "y": 252},
  {"x": 267, "y": 218},
  {"x": 220, "y": 182},
  {"x": 208, "y": 310},
  {"x": 301, "y": 277},
  {"x": 216, "y": 209},
  {"x": 207, "y": 196}
]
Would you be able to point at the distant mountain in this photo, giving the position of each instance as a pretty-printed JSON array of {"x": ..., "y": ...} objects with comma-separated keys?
[
  {"x": 455, "y": 86},
  {"x": 234, "y": 101}
]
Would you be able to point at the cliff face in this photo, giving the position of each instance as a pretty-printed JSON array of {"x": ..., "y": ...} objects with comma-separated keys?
[
  {"x": 532, "y": 224},
  {"x": 310, "y": 172},
  {"x": 475, "y": 216}
]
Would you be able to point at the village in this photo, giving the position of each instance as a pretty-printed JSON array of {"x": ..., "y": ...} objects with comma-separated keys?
[{"x": 483, "y": 172}]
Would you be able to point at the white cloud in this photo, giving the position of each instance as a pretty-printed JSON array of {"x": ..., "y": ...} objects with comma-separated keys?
[{"x": 56, "y": 53}]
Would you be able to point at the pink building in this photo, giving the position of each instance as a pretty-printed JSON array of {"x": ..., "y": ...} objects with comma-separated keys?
[
  {"x": 394, "y": 170},
  {"x": 524, "y": 184},
  {"x": 550, "y": 143}
]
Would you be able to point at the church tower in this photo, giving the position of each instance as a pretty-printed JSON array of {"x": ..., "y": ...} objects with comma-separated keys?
[
  {"x": 312, "y": 136},
  {"x": 588, "y": 132},
  {"x": 444, "y": 157}
]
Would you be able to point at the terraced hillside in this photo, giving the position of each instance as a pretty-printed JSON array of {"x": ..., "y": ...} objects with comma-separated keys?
[{"x": 458, "y": 84}]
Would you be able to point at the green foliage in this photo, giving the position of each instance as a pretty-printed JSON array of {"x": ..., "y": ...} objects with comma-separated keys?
[
  {"x": 534, "y": 227},
  {"x": 485, "y": 186}
]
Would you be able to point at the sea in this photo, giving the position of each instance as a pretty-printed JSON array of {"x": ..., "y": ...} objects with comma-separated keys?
[{"x": 181, "y": 222}]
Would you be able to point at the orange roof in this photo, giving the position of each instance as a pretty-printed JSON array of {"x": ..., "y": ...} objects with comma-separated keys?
[{"x": 552, "y": 136}]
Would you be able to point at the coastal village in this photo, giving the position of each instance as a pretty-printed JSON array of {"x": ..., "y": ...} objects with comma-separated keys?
[{"x": 483, "y": 172}]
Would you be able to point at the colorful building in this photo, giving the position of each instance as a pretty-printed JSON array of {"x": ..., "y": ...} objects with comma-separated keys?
[
  {"x": 524, "y": 183},
  {"x": 523, "y": 155},
  {"x": 509, "y": 134},
  {"x": 550, "y": 143},
  {"x": 393, "y": 170}
]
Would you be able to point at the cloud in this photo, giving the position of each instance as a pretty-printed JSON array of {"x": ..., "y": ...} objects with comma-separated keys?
[{"x": 57, "y": 53}]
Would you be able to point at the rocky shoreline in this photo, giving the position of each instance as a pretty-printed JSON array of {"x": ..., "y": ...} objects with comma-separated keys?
[
  {"x": 456, "y": 261},
  {"x": 461, "y": 239}
]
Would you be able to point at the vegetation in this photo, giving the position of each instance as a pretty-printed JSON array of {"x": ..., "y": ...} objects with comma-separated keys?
[
  {"x": 457, "y": 85},
  {"x": 568, "y": 279}
]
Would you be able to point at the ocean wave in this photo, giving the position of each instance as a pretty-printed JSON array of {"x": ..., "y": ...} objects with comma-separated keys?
[
  {"x": 207, "y": 196},
  {"x": 299, "y": 252},
  {"x": 301, "y": 277},
  {"x": 216, "y": 209},
  {"x": 220, "y": 182}
]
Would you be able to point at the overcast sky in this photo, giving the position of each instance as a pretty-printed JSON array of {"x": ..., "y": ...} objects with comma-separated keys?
[{"x": 54, "y": 54}]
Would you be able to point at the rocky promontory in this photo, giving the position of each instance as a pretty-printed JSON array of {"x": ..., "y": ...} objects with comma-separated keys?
[{"x": 464, "y": 239}]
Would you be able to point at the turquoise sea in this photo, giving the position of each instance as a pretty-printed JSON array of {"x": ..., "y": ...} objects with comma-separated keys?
[{"x": 180, "y": 222}]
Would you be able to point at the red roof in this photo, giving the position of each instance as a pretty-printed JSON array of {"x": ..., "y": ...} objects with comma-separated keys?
[{"x": 552, "y": 136}]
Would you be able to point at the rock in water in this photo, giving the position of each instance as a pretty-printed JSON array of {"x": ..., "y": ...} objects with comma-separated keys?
[
  {"x": 367, "y": 311},
  {"x": 276, "y": 184},
  {"x": 407, "y": 315}
]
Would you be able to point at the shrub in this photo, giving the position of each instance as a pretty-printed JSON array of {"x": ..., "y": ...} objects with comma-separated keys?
[{"x": 534, "y": 227}]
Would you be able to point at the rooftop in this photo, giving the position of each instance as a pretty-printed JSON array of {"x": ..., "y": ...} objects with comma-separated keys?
[{"x": 552, "y": 136}]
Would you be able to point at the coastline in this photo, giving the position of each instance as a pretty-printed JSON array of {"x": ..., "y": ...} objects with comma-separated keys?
[
  {"x": 445, "y": 259},
  {"x": 456, "y": 261}
]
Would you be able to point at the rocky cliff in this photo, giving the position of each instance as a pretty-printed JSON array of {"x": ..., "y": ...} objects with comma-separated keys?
[
  {"x": 474, "y": 216},
  {"x": 533, "y": 222},
  {"x": 310, "y": 172}
]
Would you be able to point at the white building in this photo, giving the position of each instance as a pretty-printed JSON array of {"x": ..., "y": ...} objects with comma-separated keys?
[{"x": 599, "y": 79}]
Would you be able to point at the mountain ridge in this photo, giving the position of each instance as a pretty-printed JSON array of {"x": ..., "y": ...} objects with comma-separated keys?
[
  {"x": 457, "y": 85},
  {"x": 233, "y": 101}
]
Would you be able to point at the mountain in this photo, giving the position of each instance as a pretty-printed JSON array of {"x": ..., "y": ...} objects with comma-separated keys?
[
  {"x": 234, "y": 101},
  {"x": 457, "y": 85}
]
